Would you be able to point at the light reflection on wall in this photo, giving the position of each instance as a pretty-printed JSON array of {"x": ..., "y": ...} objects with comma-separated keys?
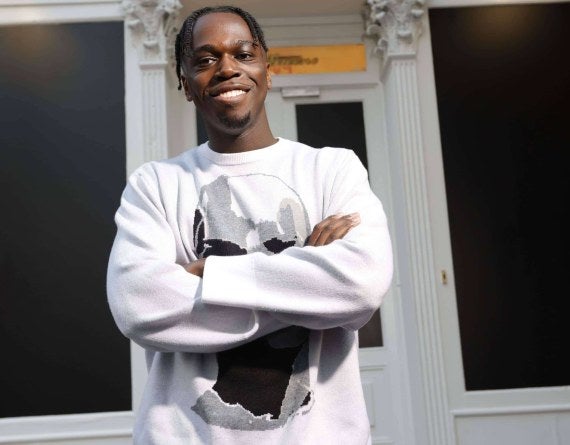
[
  {"x": 57, "y": 68},
  {"x": 500, "y": 27}
]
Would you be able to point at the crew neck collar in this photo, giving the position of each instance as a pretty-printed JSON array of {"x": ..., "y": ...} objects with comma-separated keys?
[{"x": 243, "y": 157}]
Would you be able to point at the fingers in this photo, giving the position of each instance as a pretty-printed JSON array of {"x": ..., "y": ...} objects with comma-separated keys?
[
  {"x": 196, "y": 267},
  {"x": 332, "y": 228}
]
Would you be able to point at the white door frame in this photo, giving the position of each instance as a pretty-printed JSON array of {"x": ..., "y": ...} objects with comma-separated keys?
[
  {"x": 517, "y": 405},
  {"x": 107, "y": 427}
]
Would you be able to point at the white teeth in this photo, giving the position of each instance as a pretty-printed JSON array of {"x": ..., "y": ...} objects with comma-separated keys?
[{"x": 232, "y": 93}]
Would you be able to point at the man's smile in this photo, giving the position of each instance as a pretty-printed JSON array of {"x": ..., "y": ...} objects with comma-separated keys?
[
  {"x": 232, "y": 93},
  {"x": 229, "y": 97},
  {"x": 228, "y": 93},
  {"x": 231, "y": 88}
]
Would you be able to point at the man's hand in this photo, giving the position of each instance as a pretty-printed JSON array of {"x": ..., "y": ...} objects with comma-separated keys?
[
  {"x": 196, "y": 267},
  {"x": 332, "y": 228}
]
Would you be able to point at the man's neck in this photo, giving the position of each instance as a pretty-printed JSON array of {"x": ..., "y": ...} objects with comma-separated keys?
[{"x": 250, "y": 139}]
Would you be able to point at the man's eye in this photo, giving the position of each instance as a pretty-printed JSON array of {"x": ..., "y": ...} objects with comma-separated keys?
[
  {"x": 205, "y": 61},
  {"x": 244, "y": 56}
]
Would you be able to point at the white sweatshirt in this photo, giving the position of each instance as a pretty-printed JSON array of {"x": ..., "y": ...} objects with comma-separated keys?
[{"x": 263, "y": 349}]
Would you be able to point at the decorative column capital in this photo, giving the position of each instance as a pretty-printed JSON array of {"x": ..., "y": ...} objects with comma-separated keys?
[
  {"x": 396, "y": 24},
  {"x": 152, "y": 23}
]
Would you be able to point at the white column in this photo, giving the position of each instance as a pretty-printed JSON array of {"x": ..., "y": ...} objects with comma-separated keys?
[
  {"x": 148, "y": 56},
  {"x": 397, "y": 26},
  {"x": 149, "y": 24},
  {"x": 153, "y": 85}
]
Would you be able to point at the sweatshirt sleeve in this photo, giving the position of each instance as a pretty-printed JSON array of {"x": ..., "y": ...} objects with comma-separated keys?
[
  {"x": 337, "y": 285},
  {"x": 154, "y": 301}
]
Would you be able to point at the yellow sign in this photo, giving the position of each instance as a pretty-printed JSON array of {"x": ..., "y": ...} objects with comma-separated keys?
[{"x": 317, "y": 59}]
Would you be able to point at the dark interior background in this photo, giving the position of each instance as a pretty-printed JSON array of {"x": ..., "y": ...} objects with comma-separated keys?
[
  {"x": 503, "y": 89},
  {"x": 62, "y": 170}
]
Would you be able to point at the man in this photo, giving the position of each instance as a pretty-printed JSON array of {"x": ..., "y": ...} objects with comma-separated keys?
[{"x": 248, "y": 316}]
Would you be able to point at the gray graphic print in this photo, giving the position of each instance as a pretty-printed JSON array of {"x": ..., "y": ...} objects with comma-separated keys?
[{"x": 264, "y": 383}]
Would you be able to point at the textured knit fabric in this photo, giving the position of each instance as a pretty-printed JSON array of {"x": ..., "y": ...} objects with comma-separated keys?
[{"x": 263, "y": 349}]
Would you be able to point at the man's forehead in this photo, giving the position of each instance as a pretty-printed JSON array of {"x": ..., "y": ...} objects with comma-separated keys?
[{"x": 222, "y": 24}]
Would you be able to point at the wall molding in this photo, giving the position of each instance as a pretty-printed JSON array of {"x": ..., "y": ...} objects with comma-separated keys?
[
  {"x": 382, "y": 441},
  {"x": 467, "y": 3},
  {"x": 66, "y": 427},
  {"x": 498, "y": 411},
  {"x": 54, "y": 2},
  {"x": 26, "y": 12}
]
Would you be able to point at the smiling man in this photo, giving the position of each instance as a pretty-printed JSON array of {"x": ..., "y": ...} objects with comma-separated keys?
[
  {"x": 226, "y": 76},
  {"x": 245, "y": 266}
]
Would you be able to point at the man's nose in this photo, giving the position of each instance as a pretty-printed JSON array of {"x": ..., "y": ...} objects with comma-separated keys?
[{"x": 227, "y": 67}]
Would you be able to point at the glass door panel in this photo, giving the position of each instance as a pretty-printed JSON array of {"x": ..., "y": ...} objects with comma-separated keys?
[
  {"x": 62, "y": 165},
  {"x": 505, "y": 142}
]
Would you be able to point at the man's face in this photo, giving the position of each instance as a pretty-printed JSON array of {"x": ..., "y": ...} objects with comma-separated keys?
[{"x": 226, "y": 75}]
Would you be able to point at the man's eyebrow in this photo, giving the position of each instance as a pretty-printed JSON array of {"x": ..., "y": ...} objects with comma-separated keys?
[
  {"x": 206, "y": 48},
  {"x": 249, "y": 42},
  {"x": 212, "y": 49}
]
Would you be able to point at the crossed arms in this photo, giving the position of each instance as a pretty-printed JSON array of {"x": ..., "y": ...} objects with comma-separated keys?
[
  {"x": 328, "y": 230},
  {"x": 336, "y": 280}
]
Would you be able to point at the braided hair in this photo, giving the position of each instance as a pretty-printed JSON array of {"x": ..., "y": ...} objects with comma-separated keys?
[{"x": 184, "y": 39}]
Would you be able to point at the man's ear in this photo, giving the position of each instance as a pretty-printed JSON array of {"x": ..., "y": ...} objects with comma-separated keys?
[
  {"x": 268, "y": 77},
  {"x": 187, "y": 92}
]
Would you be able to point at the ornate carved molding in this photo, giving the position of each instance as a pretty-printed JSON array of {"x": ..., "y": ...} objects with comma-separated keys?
[
  {"x": 396, "y": 24},
  {"x": 152, "y": 26},
  {"x": 153, "y": 21}
]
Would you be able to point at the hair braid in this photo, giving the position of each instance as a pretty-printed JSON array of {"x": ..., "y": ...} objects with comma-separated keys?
[{"x": 184, "y": 39}]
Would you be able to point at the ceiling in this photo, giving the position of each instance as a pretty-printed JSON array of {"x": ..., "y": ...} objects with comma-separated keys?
[{"x": 283, "y": 8}]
